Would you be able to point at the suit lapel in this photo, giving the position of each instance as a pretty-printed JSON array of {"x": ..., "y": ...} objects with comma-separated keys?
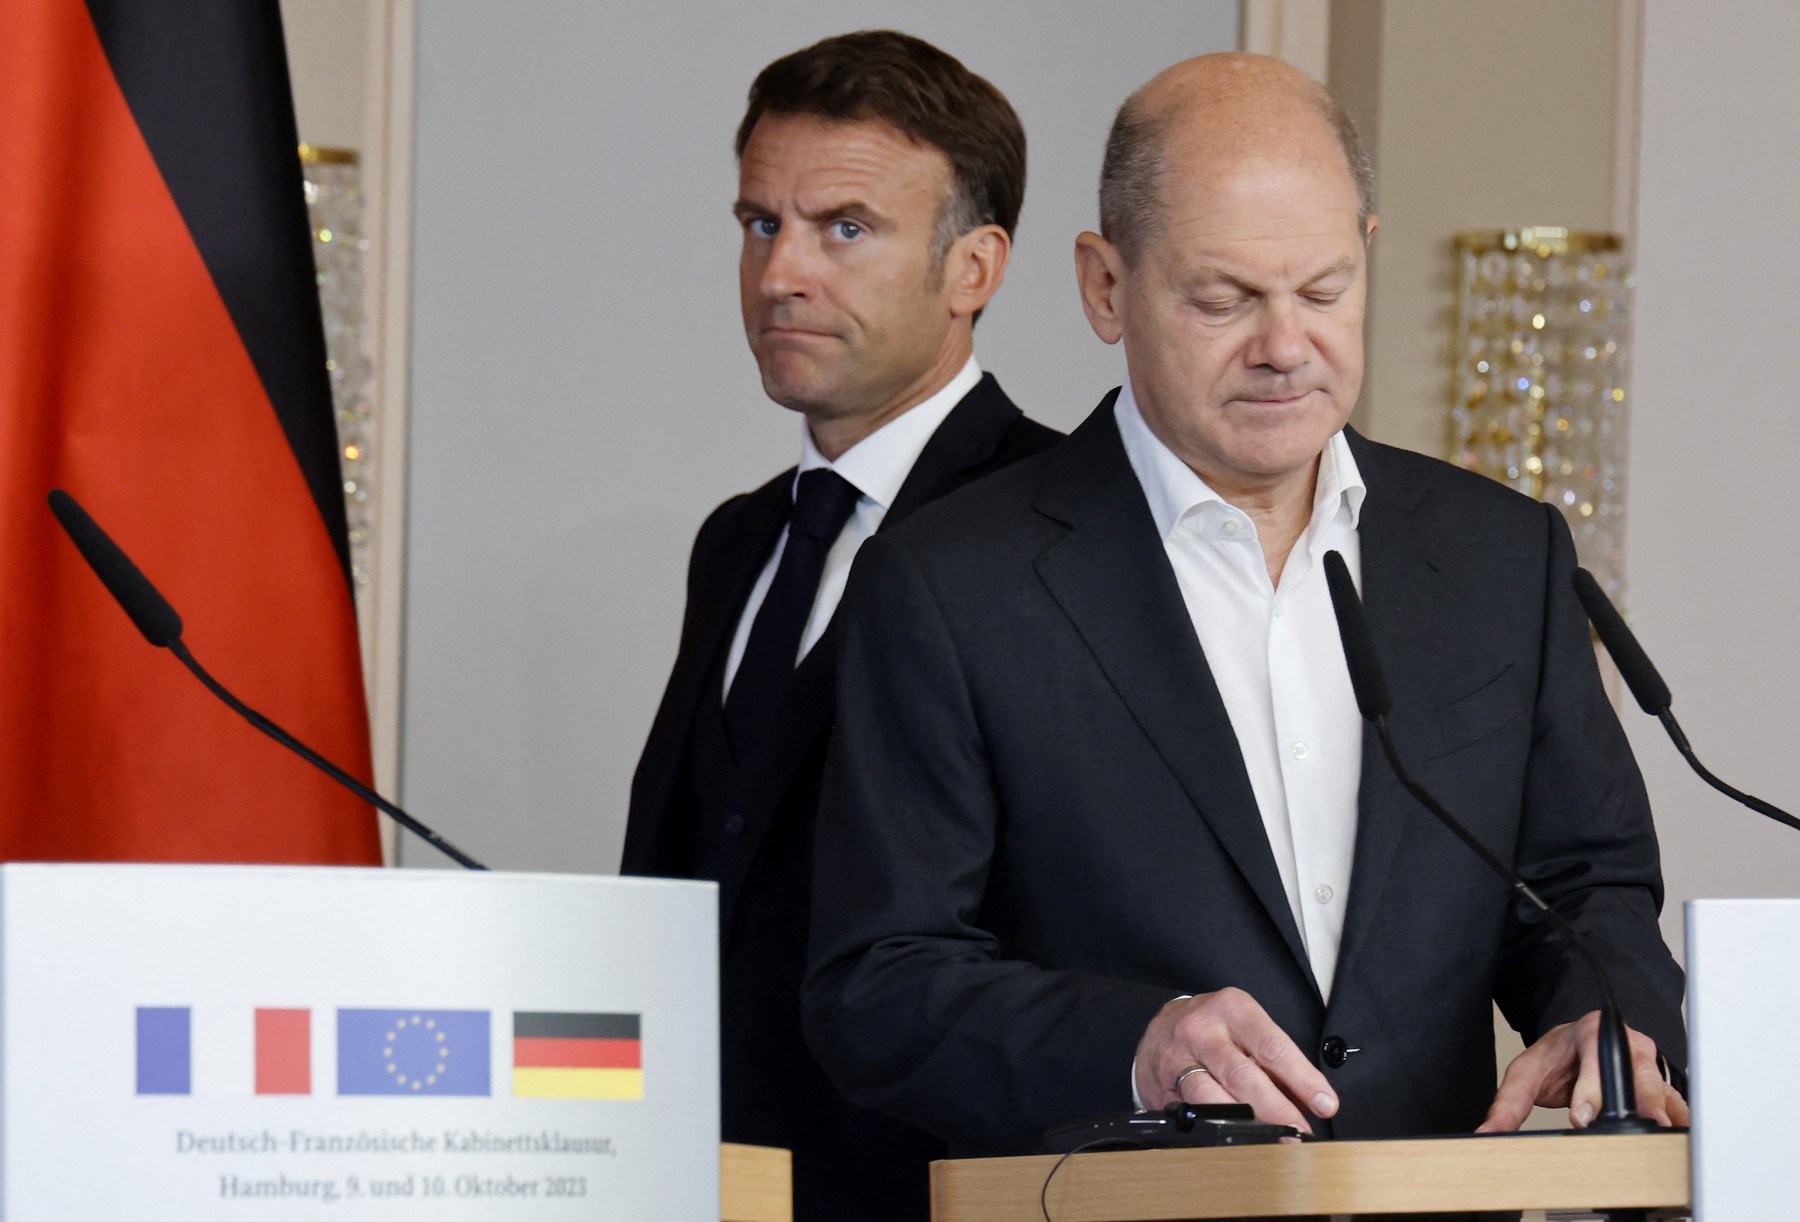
[
  {"x": 964, "y": 442},
  {"x": 723, "y": 576},
  {"x": 1112, "y": 579},
  {"x": 1398, "y": 578}
]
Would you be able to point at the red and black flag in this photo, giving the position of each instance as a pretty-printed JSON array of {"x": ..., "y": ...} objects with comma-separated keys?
[{"x": 162, "y": 358}]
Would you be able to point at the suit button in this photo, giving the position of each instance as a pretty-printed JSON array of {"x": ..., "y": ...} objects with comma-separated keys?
[
  {"x": 735, "y": 824},
  {"x": 1334, "y": 1051}
]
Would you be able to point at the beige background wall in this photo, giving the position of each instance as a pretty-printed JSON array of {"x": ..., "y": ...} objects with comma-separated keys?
[
  {"x": 1713, "y": 552},
  {"x": 1478, "y": 117},
  {"x": 328, "y": 45}
]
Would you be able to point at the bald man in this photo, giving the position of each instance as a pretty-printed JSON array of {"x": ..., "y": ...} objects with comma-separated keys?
[{"x": 1104, "y": 824}]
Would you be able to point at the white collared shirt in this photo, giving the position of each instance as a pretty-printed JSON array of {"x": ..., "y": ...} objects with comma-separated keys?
[
  {"x": 876, "y": 466},
  {"x": 1276, "y": 656}
]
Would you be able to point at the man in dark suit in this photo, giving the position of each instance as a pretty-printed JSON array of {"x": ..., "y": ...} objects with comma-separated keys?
[
  {"x": 880, "y": 182},
  {"x": 1101, "y": 821}
]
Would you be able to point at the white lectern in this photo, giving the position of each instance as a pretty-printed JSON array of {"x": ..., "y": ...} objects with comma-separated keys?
[
  {"x": 1743, "y": 998},
  {"x": 192, "y": 1042}
]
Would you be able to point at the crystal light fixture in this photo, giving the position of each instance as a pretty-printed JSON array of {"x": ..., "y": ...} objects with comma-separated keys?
[
  {"x": 334, "y": 205},
  {"x": 1539, "y": 383}
]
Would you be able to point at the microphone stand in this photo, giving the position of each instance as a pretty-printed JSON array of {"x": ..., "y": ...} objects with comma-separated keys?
[
  {"x": 1618, "y": 1094},
  {"x": 180, "y": 650},
  {"x": 161, "y": 626},
  {"x": 1649, "y": 690}
]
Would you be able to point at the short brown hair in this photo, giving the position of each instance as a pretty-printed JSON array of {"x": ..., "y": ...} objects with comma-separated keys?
[
  {"x": 1131, "y": 210},
  {"x": 926, "y": 94}
]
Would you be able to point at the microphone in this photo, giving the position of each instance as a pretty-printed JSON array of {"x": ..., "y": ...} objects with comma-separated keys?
[
  {"x": 161, "y": 626},
  {"x": 1618, "y": 1095},
  {"x": 1649, "y": 690},
  {"x": 149, "y": 610}
]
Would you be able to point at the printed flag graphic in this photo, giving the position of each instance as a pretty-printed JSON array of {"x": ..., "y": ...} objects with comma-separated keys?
[
  {"x": 577, "y": 1056},
  {"x": 164, "y": 1050},
  {"x": 162, "y": 358},
  {"x": 283, "y": 1052},
  {"x": 413, "y": 1052}
]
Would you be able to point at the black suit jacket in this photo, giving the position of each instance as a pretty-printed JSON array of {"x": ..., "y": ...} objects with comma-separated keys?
[
  {"x": 1038, "y": 827},
  {"x": 848, "y": 1162}
]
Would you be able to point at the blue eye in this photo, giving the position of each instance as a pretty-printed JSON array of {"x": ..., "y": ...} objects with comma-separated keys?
[
  {"x": 764, "y": 226},
  {"x": 847, "y": 231}
]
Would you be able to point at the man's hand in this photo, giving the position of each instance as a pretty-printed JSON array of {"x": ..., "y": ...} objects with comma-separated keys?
[
  {"x": 1246, "y": 1058},
  {"x": 1563, "y": 1070}
]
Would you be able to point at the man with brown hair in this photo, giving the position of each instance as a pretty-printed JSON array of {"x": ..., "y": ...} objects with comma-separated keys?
[
  {"x": 1101, "y": 818},
  {"x": 879, "y": 185}
]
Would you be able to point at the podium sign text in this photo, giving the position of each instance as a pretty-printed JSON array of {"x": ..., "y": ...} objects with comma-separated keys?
[{"x": 193, "y": 1042}]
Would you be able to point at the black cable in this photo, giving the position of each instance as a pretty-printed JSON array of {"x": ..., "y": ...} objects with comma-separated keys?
[{"x": 1044, "y": 1193}]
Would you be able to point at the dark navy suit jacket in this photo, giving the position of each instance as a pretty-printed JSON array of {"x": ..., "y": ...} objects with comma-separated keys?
[
  {"x": 849, "y": 1162},
  {"x": 1037, "y": 828}
]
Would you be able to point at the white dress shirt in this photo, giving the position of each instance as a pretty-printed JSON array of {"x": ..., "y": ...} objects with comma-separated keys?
[
  {"x": 1275, "y": 654},
  {"x": 876, "y": 466}
]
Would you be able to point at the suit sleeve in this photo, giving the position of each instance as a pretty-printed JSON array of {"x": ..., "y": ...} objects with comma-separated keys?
[
  {"x": 911, "y": 1004},
  {"x": 1586, "y": 844}
]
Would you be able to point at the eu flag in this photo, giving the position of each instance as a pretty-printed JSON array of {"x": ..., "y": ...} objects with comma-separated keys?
[{"x": 413, "y": 1052}]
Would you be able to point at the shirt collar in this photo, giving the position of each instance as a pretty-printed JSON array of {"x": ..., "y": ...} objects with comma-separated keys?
[
  {"x": 878, "y": 464},
  {"x": 1174, "y": 491}
]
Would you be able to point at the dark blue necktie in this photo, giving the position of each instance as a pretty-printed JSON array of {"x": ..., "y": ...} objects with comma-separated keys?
[{"x": 822, "y": 504}]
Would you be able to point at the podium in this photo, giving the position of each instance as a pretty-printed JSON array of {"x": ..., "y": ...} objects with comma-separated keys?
[
  {"x": 1742, "y": 995},
  {"x": 194, "y": 1042},
  {"x": 1523, "y": 1171}
]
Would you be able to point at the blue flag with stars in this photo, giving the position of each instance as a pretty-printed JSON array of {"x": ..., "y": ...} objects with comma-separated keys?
[{"x": 413, "y": 1052}]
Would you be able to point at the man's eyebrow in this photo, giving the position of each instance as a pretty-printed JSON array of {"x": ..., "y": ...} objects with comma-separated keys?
[
  {"x": 1342, "y": 267},
  {"x": 743, "y": 209},
  {"x": 1213, "y": 273}
]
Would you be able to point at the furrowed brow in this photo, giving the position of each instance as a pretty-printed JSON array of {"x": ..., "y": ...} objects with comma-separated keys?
[{"x": 1343, "y": 267}]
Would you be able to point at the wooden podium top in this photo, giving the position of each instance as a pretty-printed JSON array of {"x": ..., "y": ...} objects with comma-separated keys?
[
  {"x": 756, "y": 1184},
  {"x": 1526, "y": 1171}
]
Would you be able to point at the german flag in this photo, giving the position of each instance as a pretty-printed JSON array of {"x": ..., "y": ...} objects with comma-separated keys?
[
  {"x": 577, "y": 1056},
  {"x": 162, "y": 358}
]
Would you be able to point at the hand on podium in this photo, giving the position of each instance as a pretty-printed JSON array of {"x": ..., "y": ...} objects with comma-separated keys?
[
  {"x": 1562, "y": 1069},
  {"x": 1224, "y": 1048}
]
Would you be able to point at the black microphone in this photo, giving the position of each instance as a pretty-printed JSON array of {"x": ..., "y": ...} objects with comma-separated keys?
[
  {"x": 1618, "y": 1094},
  {"x": 149, "y": 610},
  {"x": 161, "y": 626},
  {"x": 1649, "y": 690}
]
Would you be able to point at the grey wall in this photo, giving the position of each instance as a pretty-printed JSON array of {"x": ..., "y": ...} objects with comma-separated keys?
[
  {"x": 581, "y": 390},
  {"x": 1713, "y": 553}
]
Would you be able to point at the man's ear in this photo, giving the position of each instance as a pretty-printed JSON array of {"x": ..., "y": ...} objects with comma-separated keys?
[
  {"x": 974, "y": 266},
  {"x": 1100, "y": 275},
  {"x": 1369, "y": 233}
]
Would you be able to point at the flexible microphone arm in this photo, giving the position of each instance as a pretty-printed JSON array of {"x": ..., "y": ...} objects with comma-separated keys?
[
  {"x": 1618, "y": 1094},
  {"x": 161, "y": 626},
  {"x": 1649, "y": 690}
]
